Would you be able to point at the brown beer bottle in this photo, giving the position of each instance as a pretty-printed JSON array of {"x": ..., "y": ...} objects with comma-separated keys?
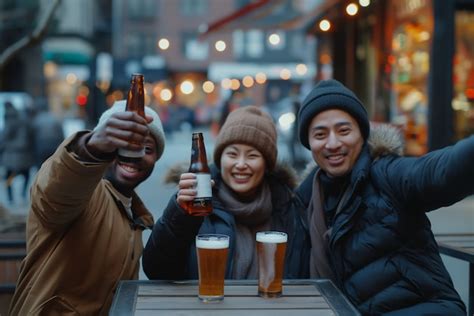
[
  {"x": 202, "y": 203},
  {"x": 135, "y": 103}
]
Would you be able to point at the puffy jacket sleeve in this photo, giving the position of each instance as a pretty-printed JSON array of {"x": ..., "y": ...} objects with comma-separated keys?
[
  {"x": 64, "y": 185},
  {"x": 166, "y": 254},
  {"x": 437, "y": 179}
]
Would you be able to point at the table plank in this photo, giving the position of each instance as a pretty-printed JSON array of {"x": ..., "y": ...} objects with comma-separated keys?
[
  {"x": 231, "y": 303},
  {"x": 274, "y": 312},
  {"x": 229, "y": 290},
  {"x": 458, "y": 243}
]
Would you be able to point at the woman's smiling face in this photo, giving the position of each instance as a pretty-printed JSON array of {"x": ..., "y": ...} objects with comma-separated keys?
[{"x": 242, "y": 168}]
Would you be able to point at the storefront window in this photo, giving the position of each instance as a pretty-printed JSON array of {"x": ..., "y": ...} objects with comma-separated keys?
[
  {"x": 463, "y": 75},
  {"x": 409, "y": 69}
]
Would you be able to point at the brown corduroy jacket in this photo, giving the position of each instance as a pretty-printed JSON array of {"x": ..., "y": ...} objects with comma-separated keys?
[{"x": 80, "y": 242}]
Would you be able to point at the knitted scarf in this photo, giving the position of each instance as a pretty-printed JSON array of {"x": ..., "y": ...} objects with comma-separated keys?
[
  {"x": 251, "y": 215},
  {"x": 319, "y": 234}
]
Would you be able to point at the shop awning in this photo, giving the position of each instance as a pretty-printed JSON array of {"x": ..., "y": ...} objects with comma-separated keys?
[
  {"x": 68, "y": 50},
  {"x": 258, "y": 15}
]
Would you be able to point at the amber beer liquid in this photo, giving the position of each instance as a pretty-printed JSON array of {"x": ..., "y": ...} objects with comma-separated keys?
[
  {"x": 202, "y": 203},
  {"x": 271, "y": 248},
  {"x": 135, "y": 103},
  {"x": 212, "y": 252}
]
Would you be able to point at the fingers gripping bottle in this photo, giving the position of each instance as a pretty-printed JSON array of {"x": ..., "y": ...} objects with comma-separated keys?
[
  {"x": 202, "y": 203},
  {"x": 135, "y": 103}
]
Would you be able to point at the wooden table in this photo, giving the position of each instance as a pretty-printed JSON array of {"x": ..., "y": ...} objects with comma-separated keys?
[
  {"x": 460, "y": 246},
  {"x": 300, "y": 297}
]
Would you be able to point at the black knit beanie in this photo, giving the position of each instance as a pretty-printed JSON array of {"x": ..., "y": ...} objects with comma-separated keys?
[{"x": 331, "y": 94}]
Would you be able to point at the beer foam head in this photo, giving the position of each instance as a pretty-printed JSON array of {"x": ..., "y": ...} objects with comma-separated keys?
[
  {"x": 272, "y": 237},
  {"x": 212, "y": 243}
]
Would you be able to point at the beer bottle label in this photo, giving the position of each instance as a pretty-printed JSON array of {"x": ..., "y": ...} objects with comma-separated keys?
[{"x": 203, "y": 186}]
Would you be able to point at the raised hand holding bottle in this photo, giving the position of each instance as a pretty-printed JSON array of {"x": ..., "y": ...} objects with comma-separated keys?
[{"x": 202, "y": 203}]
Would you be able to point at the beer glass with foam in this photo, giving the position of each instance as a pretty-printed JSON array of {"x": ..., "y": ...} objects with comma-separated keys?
[
  {"x": 212, "y": 252},
  {"x": 271, "y": 248}
]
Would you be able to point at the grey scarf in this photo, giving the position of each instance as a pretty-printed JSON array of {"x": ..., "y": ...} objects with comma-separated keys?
[
  {"x": 319, "y": 234},
  {"x": 250, "y": 217}
]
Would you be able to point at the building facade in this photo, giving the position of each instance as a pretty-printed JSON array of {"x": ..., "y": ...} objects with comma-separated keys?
[{"x": 411, "y": 61}]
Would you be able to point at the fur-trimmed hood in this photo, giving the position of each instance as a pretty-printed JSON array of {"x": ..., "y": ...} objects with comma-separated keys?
[
  {"x": 282, "y": 173},
  {"x": 385, "y": 139}
]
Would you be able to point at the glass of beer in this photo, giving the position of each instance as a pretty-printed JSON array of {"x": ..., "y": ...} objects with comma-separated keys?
[
  {"x": 212, "y": 252},
  {"x": 271, "y": 248}
]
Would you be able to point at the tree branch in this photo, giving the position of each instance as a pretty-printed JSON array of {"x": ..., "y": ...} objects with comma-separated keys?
[{"x": 38, "y": 33}]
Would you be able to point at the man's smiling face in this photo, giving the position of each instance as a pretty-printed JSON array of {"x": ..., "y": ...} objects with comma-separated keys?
[
  {"x": 335, "y": 141},
  {"x": 126, "y": 176}
]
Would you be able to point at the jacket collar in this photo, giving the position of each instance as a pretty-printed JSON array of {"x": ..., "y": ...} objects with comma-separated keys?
[{"x": 142, "y": 218}]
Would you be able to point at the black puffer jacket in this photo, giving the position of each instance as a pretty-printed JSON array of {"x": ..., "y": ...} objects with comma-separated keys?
[
  {"x": 170, "y": 252},
  {"x": 381, "y": 247}
]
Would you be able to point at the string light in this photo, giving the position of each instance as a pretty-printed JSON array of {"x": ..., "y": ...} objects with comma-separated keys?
[
  {"x": 226, "y": 83},
  {"x": 187, "y": 87},
  {"x": 220, "y": 46},
  {"x": 324, "y": 25},
  {"x": 208, "y": 86},
  {"x": 235, "y": 84},
  {"x": 274, "y": 39},
  {"x": 352, "y": 9},
  {"x": 248, "y": 81},
  {"x": 164, "y": 43},
  {"x": 285, "y": 74},
  {"x": 166, "y": 94},
  {"x": 260, "y": 78},
  {"x": 301, "y": 69}
]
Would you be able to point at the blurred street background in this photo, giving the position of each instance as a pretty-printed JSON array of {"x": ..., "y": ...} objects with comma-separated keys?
[{"x": 410, "y": 61}]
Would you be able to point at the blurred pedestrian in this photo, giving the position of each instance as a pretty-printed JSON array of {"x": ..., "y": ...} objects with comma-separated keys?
[
  {"x": 292, "y": 142},
  {"x": 366, "y": 207},
  {"x": 17, "y": 144},
  {"x": 232, "y": 103},
  {"x": 48, "y": 132},
  {"x": 251, "y": 193},
  {"x": 84, "y": 230}
]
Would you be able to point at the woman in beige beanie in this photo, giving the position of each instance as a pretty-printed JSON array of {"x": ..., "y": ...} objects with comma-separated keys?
[{"x": 251, "y": 193}]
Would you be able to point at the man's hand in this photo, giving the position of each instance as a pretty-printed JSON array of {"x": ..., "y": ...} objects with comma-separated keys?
[{"x": 122, "y": 130}]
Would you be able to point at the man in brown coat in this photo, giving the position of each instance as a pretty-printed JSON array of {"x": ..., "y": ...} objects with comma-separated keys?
[{"x": 84, "y": 230}]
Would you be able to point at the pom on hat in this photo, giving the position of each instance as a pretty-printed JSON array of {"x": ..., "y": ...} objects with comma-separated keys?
[
  {"x": 250, "y": 126},
  {"x": 155, "y": 127},
  {"x": 326, "y": 95}
]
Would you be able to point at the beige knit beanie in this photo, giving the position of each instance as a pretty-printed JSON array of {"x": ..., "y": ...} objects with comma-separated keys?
[
  {"x": 250, "y": 126},
  {"x": 156, "y": 129}
]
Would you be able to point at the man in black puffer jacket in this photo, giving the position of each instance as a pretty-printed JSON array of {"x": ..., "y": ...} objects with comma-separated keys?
[{"x": 366, "y": 208}]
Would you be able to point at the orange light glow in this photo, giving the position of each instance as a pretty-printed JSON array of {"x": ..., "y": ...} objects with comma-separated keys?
[{"x": 470, "y": 93}]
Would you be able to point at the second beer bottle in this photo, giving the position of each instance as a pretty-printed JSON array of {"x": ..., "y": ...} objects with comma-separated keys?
[
  {"x": 202, "y": 203},
  {"x": 135, "y": 103}
]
